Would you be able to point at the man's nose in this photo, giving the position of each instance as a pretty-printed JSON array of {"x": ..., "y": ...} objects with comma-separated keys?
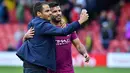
[
  {"x": 59, "y": 13},
  {"x": 50, "y": 12}
]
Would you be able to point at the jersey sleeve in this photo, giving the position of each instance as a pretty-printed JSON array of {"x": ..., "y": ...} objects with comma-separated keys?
[{"x": 73, "y": 36}]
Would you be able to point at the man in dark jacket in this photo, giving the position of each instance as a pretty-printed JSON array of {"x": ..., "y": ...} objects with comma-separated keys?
[{"x": 38, "y": 53}]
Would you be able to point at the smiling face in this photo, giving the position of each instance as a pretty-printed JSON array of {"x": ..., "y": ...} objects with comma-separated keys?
[
  {"x": 45, "y": 13},
  {"x": 42, "y": 10},
  {"x": 56, "y": 14}
]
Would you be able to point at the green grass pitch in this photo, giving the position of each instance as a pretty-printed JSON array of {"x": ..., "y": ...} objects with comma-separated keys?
[{"x": 77, "y": 70}]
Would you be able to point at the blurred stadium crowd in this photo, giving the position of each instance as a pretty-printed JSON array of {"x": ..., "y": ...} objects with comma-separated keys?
[{"x": 108, "y": 29}]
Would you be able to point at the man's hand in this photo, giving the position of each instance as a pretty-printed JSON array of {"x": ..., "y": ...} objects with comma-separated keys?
[
  {"x": 63, "y": 24},
  {"x": 83, "y": 16},
  {"x": 87, "y": 58},
  {"x": 29, "y": 34},
  {"x": 81, "y": 49}
]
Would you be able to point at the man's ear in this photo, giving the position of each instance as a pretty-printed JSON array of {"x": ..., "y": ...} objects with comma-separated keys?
[{"x": 39, "y": 14}]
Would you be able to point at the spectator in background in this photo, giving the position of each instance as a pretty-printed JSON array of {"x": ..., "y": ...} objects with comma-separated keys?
[
  {"x": 18, "y": 36},
  {"x": 20, "y": 11},
  {"x": 11, "y": 4},
  {"x": 23, "y": 10},
  {"x": 107, "y": 27},
  {"x": 127, "y": 31},
  {"x": 106, "y": 34},
  {"x": 103, "y": 26},
  {"x": 66, "y": 7},
  {"x": 102, "y": 17},
  {"x": 19, "y": 33},
  {"x": 20, "y": 42},
  {"x": 111, "y": 19},
  {"x": 4, "y": 18},
  {"x": 28, "y": 4},
  {"x": 89, "y": 42}
]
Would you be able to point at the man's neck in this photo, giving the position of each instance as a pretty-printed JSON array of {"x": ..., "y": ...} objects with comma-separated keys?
[{"x": 55, "y": 23}]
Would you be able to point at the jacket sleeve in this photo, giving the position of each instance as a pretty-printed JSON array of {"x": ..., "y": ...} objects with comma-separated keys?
[{"x": 50, "y": 29}]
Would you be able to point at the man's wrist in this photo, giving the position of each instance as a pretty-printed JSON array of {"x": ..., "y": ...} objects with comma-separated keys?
[
  {"x": 24, "y": 38},
  {"x": 80, "y": 22},
  {"x": 85, "y": 54}
]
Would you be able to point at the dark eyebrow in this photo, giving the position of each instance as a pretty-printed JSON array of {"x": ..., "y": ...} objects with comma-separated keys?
[{"x": 47, "y": 10}]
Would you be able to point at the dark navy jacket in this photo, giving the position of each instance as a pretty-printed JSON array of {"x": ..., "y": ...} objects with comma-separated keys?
[{"x": 40, "y": 50}]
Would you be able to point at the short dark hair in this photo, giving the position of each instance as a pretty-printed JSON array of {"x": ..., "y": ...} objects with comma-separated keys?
[
  {"x": 37, "y": 7},
  {"x": 53, "y": 4}
]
